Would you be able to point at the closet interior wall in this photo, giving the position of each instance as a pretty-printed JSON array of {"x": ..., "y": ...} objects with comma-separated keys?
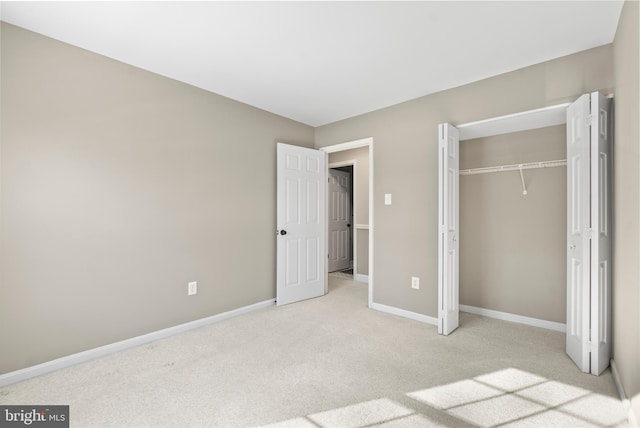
[{"x": 513, "y": 246}]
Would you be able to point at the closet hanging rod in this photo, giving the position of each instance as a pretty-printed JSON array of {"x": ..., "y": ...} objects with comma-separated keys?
[{"x": 515, "y": 167}]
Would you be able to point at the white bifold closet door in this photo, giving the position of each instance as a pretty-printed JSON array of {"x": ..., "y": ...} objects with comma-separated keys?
[
  {"x": 601, "y": 224},
  {"x": 578, "y": 231},
  {"x": 448, "y": 218},
  {"x": 589, "y": 233}
]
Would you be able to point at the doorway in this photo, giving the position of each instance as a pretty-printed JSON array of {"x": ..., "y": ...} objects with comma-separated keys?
[
  {"x": 301, "y": 220},
  {"x": 358, "y": 155}
]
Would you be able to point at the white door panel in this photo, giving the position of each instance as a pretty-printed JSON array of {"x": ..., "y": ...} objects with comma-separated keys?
[
  {"x": 578, "y": 225},
  {"x": 448, "y": 298},
  {"x": 601, "y": 240},
  {"x": 339, "y": 219},
  {"x": 301, "y": 253},
  {"x": 589, "y": 233}
]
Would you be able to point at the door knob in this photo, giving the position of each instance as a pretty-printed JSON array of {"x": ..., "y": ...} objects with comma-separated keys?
[
  {"x": 348, "y": 225},
  {"x": 283, "y": 232},
  {"x": 572, "y": 246}
]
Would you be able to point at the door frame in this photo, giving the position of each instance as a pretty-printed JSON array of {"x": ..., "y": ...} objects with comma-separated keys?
[
  {"x": 356, "y": 144},
  {"x": 352, "y": 163}
]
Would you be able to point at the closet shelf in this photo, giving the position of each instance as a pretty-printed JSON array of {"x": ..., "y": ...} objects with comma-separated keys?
[
  {"x": 515, "y": 167},
  {"x": 522, "y": 121}
]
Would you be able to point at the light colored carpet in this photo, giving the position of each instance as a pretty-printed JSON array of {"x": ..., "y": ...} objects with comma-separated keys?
[{"x": 333, "y": 362}]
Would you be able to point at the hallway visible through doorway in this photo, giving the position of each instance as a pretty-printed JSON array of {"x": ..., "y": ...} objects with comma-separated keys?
[{"x": 340, "y": 218}]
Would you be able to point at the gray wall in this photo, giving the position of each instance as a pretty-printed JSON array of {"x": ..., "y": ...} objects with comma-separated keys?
[
  {"x": 512, "y": 246},
  {"x": 406, "y": 162},
  {"x": 626, "y": 210},
  {"x": 118, "y": 187},
  {"x": 361, "y": 201}
]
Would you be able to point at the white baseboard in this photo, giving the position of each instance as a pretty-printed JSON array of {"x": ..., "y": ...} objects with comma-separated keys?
[
  {"x": 617, "y": 381},
  {"x": 361, "y": 278},
  {"x": 631, "y": 416},
  {"x": 404, "y": 313},
  {"x": 535, "y": 322},
  {"x": 91, "y": 354}
]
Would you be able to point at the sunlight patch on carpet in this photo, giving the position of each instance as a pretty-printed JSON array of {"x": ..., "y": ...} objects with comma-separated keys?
[
  {"x": 455, "y": 394},
  {"x": 504, "y": 398},
  {"x": 362, "y": 414},
  {"x": 513, "y": 397},
  {"x": 379, "y": 413}
]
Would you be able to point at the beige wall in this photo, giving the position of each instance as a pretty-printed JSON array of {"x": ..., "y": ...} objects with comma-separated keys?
[
  {"x": 361, "y": 201},
  {"x": 406, "y": 161},
  {"x": 512, "y": 246},
  {"x": 118, "y": 187},
  {"x": 362, "y": 249},
  {"x": 626, "y": 210}
]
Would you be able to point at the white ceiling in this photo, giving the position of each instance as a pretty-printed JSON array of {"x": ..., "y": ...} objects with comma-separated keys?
[{"x": 319, "y": 62}]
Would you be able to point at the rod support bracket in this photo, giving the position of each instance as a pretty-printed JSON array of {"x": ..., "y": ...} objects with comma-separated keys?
[{"x": 524, "y": 186}]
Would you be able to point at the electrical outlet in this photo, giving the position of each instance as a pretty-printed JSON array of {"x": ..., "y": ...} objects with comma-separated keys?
[
  {"x": 192, "y": 288},
  {"x": 415, "y": 282}
]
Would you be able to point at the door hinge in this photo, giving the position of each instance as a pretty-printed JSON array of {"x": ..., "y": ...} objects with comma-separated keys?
[
  {"x": 589, "y": 119},
  {"x": 589, "y": 233}
]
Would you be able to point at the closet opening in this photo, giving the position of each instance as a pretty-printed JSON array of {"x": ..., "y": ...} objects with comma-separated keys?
[
  {"x": 513, "y": 225},
  {"x": 587, "y": 233}
]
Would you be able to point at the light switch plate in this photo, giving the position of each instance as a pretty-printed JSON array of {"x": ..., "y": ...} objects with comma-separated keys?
[{"x": 387, "y": 198}]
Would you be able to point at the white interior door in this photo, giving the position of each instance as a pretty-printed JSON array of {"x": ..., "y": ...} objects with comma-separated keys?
[
  {"x": 601, "y": 239},
  {"x": 578, "y": 232},
  {"x": 339, "y": 219},
  {"x": 301, "y": 207},
  {"x": 448, "y": 295}
]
